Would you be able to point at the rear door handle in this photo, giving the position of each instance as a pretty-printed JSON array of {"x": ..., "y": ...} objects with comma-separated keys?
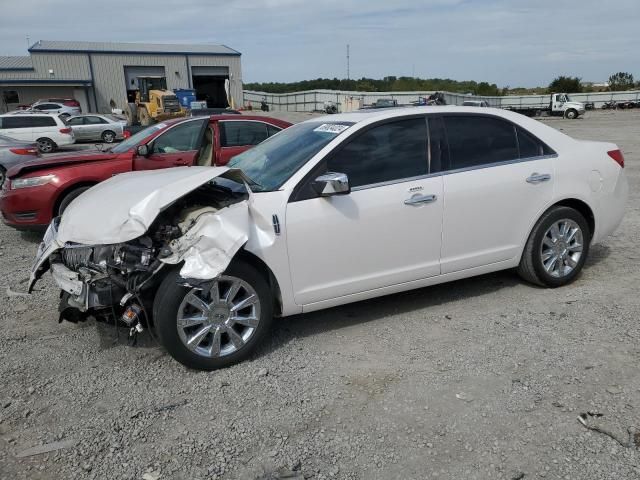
[
  {"x": 420, "y": 199},
  {"x": 538, "y": 178},
  {"x": 180, "y": 162}
]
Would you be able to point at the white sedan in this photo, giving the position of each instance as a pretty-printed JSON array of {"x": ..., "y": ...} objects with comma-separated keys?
[{"x": 330, "y": 211}]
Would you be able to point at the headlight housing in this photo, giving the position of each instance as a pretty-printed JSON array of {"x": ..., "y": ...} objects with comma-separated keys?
[{"x": 31, "y": 181}]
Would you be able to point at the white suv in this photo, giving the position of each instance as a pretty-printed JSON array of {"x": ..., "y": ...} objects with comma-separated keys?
[{"x": 49, "y": 131}]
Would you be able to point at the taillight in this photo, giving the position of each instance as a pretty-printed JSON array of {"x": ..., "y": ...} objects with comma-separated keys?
[
  {"x": 617, "y": 156},
  {"x": 126, "y": 134},
  {"x": 24, "y": 151},
  {"x": 65, "y": 130},
  {"x": 71, "y": 103}
]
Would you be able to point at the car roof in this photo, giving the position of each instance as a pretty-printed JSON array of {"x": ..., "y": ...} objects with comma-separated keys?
[
  {"x": 217, "y": 117},
  {"x": 29, "y": 113},
  {"x": 381, "y": 114}
]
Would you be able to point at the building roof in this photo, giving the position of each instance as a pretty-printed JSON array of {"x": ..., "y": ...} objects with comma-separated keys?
[
  {"x": 16, "y": 63},
  {"x": 137, "y": 48}
]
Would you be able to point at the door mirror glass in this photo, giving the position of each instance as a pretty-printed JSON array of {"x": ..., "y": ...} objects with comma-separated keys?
[
  {"x": 332, "y": 183},
  {"x": 142, "y": 150}
]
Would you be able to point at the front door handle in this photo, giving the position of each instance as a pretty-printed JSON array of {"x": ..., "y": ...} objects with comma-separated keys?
[
  {"x": 420, "y": 199},
  {"x": 538, "y": 178},
  {"x": 180, "y": 161}
]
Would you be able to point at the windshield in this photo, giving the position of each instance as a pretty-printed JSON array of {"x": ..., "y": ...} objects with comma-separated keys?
[
  {"x": 133, "y": 140},
  {"x": 274, "y": 161}
]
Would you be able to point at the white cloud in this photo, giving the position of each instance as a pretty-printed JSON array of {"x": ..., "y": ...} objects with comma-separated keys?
[{"x": 515, "y": 42}]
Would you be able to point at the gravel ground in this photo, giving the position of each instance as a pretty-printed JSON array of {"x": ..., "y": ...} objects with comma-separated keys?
[{"x": 477, "y": 379}]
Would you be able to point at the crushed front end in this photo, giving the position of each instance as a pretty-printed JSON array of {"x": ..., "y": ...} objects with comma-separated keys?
[{"x": 198, "y": 233}]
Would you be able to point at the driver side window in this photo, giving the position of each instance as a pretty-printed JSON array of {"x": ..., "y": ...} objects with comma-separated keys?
[
  {"x": 388, "y": 152},
  {"x": 184, "y": 137}
]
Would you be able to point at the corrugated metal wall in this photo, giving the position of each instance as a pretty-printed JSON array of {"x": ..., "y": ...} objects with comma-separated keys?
[
  {"x": 65, "y": 66},
  {"x": 313, "y": 100}
]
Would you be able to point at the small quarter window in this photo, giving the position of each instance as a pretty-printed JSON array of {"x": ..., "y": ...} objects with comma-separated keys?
[{"x": 530, "y": 146}]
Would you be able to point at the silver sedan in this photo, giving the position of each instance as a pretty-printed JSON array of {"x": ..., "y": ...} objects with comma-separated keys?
[
  {"x": 14, "y": 152},
  {"x": 97, "y": 128}
]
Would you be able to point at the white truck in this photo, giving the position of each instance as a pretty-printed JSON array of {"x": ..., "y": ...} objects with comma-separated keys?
[{"x": 557, "y": 104}]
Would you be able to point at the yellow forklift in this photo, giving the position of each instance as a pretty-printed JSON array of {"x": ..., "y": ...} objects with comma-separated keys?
[{"x": 153, "y": 102}]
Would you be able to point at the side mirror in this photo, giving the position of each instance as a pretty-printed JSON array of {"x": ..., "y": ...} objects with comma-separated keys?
[
  {"x": 143, "y": 150},
  {"x": 331, "y": 183}
]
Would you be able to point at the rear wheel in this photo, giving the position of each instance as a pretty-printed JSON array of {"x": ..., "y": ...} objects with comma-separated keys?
[
  {"x": 70, "y": 197},
  {"x": 108, "y": 136},
  {"x": 556, "y": 249},
  {"x": 216, "y": 327},
  {"x": 46, "y": 145},
  {"x": 3, "y": 176}
]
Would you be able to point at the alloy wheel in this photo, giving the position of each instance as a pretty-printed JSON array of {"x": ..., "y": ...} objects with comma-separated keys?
[
  {"x": 45, "y": 146},
  {"x": 108, "y": 137},
  {"x": 220, "y": 321},
  {"x": 561, "y": 248}
]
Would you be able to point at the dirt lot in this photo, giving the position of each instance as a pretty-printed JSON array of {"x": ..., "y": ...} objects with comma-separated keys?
[{"x": 478, "y": 379}]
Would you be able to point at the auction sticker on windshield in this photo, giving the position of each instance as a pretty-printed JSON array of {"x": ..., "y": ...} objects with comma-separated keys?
[{"x": 331, "y": 128}]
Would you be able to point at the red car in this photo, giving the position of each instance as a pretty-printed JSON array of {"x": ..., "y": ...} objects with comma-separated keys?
[{"x": 37, "y": 191}]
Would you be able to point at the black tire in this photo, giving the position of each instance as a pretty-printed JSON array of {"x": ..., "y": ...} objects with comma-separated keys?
[
  {"x": 46, "y": 145},
  {"x": 531, "y": 266},
  {"x": 3, "y": 175},
  {"x": 165, "y": 311},
  {"x": 108, "y": 136},
  {"x": 70, "y": 197},
  {"x": 571, "y": 114}
]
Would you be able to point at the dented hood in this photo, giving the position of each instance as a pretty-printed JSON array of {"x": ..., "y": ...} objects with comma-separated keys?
[{"x": 123, "y": 207}]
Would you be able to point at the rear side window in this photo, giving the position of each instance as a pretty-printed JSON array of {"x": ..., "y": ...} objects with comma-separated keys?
[
  {"x": 239, "y": 134},
  {"x": 479, "y": 140},
  {"x": 388, "y": 152},
  {"x": 94, "y": 120},
  {"x": 43, "y": 122}
]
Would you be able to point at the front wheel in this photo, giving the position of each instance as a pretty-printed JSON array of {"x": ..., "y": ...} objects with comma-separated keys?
[
  {"x": 144, "y": 117},
  {"x": 571, "y": 114},
  {"x": 70, "y": 197},
  {"x": 218, "y": 326},
  {"x": 556, "y": 249}
]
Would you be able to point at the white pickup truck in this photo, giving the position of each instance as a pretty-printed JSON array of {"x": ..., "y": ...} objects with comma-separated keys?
[{"x": 558, "y": 104}]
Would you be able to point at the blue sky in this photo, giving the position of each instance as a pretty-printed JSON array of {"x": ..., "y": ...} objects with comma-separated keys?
[{"x": 507, "y": 42}]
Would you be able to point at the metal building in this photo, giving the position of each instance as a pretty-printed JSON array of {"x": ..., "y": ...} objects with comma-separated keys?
[{"x": 103, "y": 75}]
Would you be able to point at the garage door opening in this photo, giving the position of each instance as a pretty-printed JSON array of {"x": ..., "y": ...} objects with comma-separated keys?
[{"x": 208, "y": 82}]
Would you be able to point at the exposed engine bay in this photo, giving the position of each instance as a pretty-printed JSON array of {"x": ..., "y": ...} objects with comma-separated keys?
[{"x": 199, "y": 231}]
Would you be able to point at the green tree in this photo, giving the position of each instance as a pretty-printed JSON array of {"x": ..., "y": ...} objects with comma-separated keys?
[
  {"x": 621, "y": 81},
  {"x": 565, "y": 85}
]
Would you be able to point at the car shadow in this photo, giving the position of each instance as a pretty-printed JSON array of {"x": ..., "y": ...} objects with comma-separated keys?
[
  {"x": 597, "y": 253},
  {"x": 32, "y": 236},
  {"x": 300, "y": 326}
]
